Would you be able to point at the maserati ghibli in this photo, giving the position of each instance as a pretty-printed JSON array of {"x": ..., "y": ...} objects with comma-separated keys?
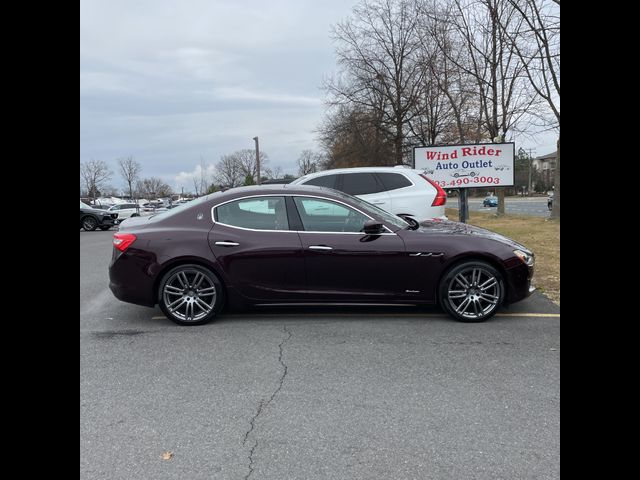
[{"x": 308, "y": 245}]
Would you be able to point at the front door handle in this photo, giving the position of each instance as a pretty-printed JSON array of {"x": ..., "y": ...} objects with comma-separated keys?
[
  {"x": 378, "y": 203},
  {"x": 320, "y": 247},
  {"x": 228, "y": 244}
]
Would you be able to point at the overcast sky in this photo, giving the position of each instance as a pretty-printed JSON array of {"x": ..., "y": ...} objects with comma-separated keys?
[{"x": 168, "y": 82}]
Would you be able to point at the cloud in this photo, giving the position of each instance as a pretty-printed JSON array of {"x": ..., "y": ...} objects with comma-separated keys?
[
  {"x": 185, "y": 180},
  {"x": 170, "y": 82}
]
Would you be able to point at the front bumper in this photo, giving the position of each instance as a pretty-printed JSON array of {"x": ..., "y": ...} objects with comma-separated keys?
[{"x": 519, "y": 284}]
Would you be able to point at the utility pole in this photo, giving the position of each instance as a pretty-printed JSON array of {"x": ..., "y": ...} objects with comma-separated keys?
[
  {"x": 530, "y": 168},
  {"x": 257, "y": 159}
]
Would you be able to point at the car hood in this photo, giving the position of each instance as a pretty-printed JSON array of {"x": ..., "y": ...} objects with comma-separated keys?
[
  {"x": 448, "y": 227},
  {"x": 97, "y": 211}
]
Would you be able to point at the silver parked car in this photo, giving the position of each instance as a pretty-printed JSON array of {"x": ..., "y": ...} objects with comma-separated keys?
[{"x": 126, "y": 210}]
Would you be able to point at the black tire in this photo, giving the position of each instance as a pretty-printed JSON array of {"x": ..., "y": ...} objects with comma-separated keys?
[
  {"x": 484, "y": 296},
  {"x": 135, "y": 215},
  {"x": 410, "y": 220},
  {"x": 169, "y": 295},
  {"x": 105, "y": 227},
  {"x": 89, "y": 223}
]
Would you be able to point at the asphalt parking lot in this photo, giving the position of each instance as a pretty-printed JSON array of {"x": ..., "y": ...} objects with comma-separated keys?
[
  {"x": 384, "y": 393},
  {"x": 534, "y": 206}
]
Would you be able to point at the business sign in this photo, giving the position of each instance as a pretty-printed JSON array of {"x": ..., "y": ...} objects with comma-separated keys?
[{"x": 467, "y": 166}]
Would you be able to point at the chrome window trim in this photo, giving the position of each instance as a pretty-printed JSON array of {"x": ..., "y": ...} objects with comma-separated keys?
[{"x": 213, "y": 219}]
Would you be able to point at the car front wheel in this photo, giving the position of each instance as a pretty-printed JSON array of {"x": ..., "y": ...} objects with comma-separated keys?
[
  {"x": 89, "y": 224},
  {"x": 190, "y": 295},
  {"x": 471, "y": 291}
]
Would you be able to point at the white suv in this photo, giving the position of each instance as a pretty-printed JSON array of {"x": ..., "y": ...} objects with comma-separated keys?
[
  {"x": 126, "y": 210},
  {"x": 402, "y": 191}
]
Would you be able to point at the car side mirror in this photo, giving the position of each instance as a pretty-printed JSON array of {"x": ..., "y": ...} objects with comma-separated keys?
[{"x": 373, "y": 227}]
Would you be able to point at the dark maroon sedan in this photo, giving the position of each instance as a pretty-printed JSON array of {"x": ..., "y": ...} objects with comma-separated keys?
[{"x": 293, "y": 244}]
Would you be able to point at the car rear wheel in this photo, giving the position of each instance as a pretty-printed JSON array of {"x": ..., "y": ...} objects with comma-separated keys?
[
  {"x": 190, "y": 295},
  {"x": 89, "y": 224},
  {"x": 472, "y": 291}
]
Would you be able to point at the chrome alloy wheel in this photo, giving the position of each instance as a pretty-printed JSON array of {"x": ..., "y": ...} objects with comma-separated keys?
[
  {"x": 189, "y": 295},
  {"x": 89, "y": 224},
  {"x": 474, "y": 293}
]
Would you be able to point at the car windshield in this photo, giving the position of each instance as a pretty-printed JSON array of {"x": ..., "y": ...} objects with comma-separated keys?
[
  {"x": 388, "y": 218},
  {"x": 84, "y": 205}
]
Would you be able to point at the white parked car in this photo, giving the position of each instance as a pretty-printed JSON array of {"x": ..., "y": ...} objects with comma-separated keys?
[
  {"x": 401, "y": 191},
  {"x": 126, "y": 210}
]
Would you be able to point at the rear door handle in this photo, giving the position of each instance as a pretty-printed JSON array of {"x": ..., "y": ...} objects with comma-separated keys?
[
  {"x": 378, "y": 203},
  {"x": 320, "y": 247},
  {"x": 228, "y": 244}
]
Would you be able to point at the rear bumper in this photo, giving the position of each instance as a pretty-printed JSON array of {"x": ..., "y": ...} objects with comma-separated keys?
[{"x": 132, "y": 277}]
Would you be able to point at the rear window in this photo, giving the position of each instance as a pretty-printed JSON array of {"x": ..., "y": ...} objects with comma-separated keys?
[
  {"x": 324, "y": 181},
  {"x": 360, "y": 184},
  {"x": 258, "y": 213},
  {"x": 393, "y": 181}
]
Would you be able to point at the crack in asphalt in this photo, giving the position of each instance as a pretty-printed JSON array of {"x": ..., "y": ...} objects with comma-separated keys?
[{"x": 262, "y": 405}]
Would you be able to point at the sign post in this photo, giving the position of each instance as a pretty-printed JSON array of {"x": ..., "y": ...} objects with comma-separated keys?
[
  {"x": 467, "y": 166},
  {"x": 463, "y": 203}
]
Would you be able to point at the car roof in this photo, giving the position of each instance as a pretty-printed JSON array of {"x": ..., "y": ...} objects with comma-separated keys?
[
  {"x": 396, "y": 169},
  {"x": 272, "y": 189}
]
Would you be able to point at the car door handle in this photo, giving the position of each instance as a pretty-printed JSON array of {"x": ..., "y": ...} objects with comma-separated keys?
[
  {"x": 228, "y": 244},
  {"x": 378, "y": 203},
  {"x": 320, "y": 247}
]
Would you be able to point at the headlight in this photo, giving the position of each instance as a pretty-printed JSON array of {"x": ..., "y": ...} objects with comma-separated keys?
[{"x": 527, "y": 258}]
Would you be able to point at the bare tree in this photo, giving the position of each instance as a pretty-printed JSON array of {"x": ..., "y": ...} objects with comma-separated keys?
[
  {"x": 308, "y": 162},
  {"x": 94, "y": 174},
  {"x": 491, "y": 59},
  {"x": 238, "y": 167},
  {"x": 228, "y": 172},
  {"x": 351, "y": 137},
  {"x": 460, "y": 120},
  {"x": 381, "y": 72},
  {"x": 203, "y": 177},
  {"x": 246, "y": 160},
  {"x": 130, "y": 171},
  {"x": 275, "y": 172},
  {"x": 109, "y": 191},
  {"x": 153, "y": 187},
  {"x": 538, "y": 47},
  {"x": 196, "y": 184}
]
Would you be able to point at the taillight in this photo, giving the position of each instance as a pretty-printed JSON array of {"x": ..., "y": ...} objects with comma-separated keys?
[
  {"x": 441, "y": 195},
  {"x": 122, "y": 240}
]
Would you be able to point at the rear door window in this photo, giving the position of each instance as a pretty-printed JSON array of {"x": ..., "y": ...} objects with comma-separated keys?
[
  {"x": 258, "y": 213},
  {"x": 324, "y": 181},
  {"x": 393, "y": 181},
  {"x": 360, "y": 184}
]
